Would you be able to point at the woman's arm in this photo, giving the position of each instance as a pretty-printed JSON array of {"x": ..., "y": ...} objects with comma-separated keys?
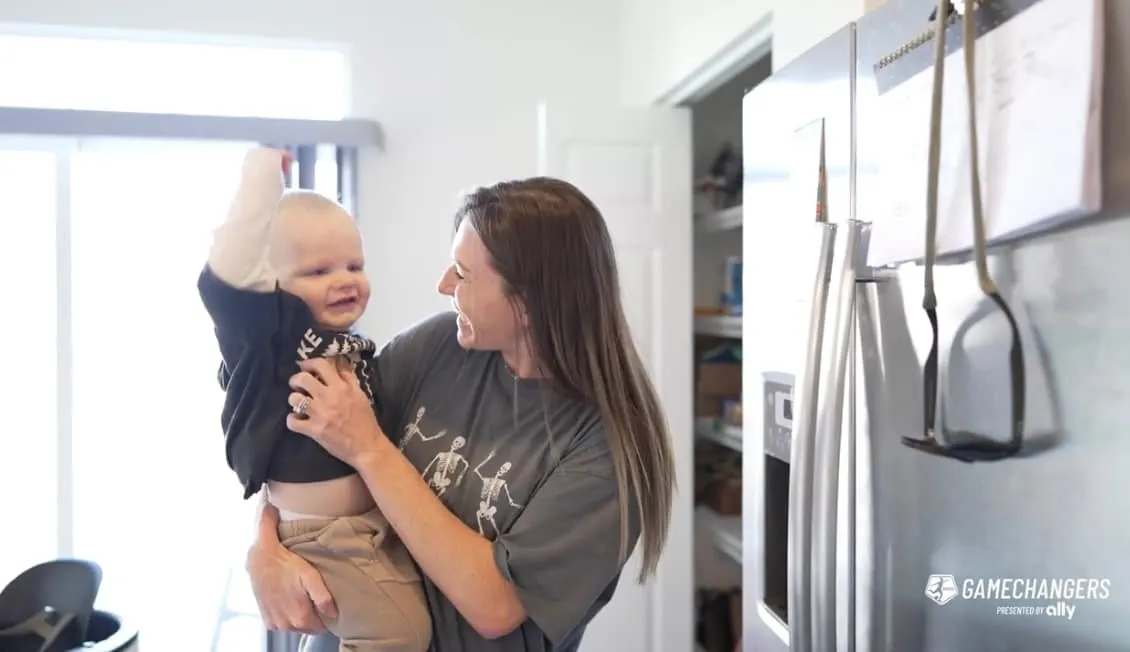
[
  {"x": 239, "y": 249},
  {"x": 290, "y": 592},
  {"x": 459, "y": 560}
]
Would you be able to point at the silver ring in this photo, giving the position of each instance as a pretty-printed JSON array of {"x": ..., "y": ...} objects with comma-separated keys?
[{"x": 302, "y": 406}]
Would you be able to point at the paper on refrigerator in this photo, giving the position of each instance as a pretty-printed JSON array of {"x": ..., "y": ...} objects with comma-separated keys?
[{"x": 1039, "y": 96}]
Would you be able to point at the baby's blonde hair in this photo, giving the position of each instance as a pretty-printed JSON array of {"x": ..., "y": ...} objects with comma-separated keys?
[
  {"x": 297, "y": 211},
  {"x": 305, "y": 204}
]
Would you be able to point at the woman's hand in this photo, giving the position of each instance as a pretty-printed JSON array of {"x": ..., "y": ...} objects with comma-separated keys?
[
  {"x": 330, "y": 407},
  {"x": 290, "y": 592}
]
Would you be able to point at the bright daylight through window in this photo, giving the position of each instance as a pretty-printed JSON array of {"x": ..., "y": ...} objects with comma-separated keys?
[{"x": 116, "y": 455}]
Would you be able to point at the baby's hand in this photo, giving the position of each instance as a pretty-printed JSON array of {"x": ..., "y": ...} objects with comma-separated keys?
[{"x": 287, "y": 161}]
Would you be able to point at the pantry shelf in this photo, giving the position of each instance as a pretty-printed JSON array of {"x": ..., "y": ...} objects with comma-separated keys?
[
  {"x": 720, "y": 221},
  {"x": 719, "y": 326},
  {"x": 720, "y": 433},
  {"x": 725, "y": 533}
]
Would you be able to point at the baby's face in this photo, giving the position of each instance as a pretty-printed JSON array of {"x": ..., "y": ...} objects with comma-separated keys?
[{"x": 324, "y": 265}]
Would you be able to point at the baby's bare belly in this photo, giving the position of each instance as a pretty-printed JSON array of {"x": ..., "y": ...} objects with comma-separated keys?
[{"x": 346, "y": 496}]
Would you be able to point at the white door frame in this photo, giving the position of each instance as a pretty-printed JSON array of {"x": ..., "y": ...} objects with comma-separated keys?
[{"x": 737, "y": 55}]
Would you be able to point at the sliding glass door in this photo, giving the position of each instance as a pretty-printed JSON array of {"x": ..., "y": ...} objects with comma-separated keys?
[
  {"x": 111, "y": 447},
  {"x": 155, "y": 503},
  {"x": 29, "y": 465},
  {"x": 146, "y": 493}
]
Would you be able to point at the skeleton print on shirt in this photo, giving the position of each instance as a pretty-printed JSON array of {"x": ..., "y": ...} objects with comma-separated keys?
[
  {"x": 412, "y": 430},
  {"x": 353, "y": 347},
  {"x": 494, "y": 486},
  {"x": 449, "y": 465},
  {"x": 447, "y": 468}
]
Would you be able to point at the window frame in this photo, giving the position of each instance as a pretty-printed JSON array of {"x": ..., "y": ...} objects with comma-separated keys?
[{"x": 61, "y": 132}]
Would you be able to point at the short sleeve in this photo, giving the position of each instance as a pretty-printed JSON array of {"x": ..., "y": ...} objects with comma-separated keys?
[
  {"x": 563, "y": 552},
  {"x": 401, "y": 363}
]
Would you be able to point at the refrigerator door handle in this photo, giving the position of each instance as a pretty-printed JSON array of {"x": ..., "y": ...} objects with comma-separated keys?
[
  {"x": 829, "y": 436},
  {"x": 807, "y": 399}
]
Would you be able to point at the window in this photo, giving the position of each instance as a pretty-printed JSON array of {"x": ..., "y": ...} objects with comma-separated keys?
[
  {"x": 29, "y": 464},
  {"x": 163, "y": 77},
  {"x": 116, "y": 453},
  {"x": 155, "y": 503}
]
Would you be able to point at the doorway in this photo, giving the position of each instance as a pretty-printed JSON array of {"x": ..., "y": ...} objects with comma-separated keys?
[{"x": 717, "y": 254}]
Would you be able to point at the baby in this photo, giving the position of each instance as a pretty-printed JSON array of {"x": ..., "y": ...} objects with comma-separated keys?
[{"x": 285, "y": 281}]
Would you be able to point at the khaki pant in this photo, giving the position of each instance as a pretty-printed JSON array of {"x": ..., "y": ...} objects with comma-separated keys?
[{"x": 378, "y": 593}]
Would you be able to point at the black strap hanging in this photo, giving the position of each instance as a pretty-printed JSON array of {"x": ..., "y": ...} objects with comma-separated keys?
[{"x": 960, "y": 445}]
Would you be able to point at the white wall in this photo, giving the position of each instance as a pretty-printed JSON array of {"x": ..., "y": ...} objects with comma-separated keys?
[
  {"x": 664, "y": 42},
  {"x": 455, "y": 84}
]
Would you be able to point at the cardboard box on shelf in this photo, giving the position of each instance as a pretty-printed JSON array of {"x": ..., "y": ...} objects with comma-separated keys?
[
  {"x": 717, "y": 382},
  {"x": 724, "y": 496}
]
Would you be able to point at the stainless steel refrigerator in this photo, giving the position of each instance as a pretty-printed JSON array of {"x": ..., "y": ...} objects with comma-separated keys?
[{"x": 856, "y": 539}]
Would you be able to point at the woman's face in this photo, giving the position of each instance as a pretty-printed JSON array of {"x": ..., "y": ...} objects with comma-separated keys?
[{"x": 488, "y": 320}]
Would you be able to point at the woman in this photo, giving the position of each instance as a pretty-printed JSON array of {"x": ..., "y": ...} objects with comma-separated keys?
[{"x": 519, "y": 449}]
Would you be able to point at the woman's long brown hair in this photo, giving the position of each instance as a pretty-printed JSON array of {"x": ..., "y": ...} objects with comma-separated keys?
[{"x": 552, "y": 248}]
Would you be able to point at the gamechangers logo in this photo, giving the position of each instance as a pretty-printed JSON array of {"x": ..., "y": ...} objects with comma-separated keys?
[
  {"x": 1018, "y": 596},
  {"x": 941, "y": 588}
]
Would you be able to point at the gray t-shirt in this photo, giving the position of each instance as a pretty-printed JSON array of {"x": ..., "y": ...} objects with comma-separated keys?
[{"x": 519, "y": 462}]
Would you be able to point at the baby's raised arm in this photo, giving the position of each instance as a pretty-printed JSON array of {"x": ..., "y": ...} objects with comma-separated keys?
[
  {"x": 239, "y": 290},
  {"x": 239, "y": 254}
]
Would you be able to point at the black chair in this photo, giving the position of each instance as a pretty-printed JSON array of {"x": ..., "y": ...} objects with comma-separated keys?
[
  {"x": 108, "y": 633},
  {"x": 48, "y": 607}
]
